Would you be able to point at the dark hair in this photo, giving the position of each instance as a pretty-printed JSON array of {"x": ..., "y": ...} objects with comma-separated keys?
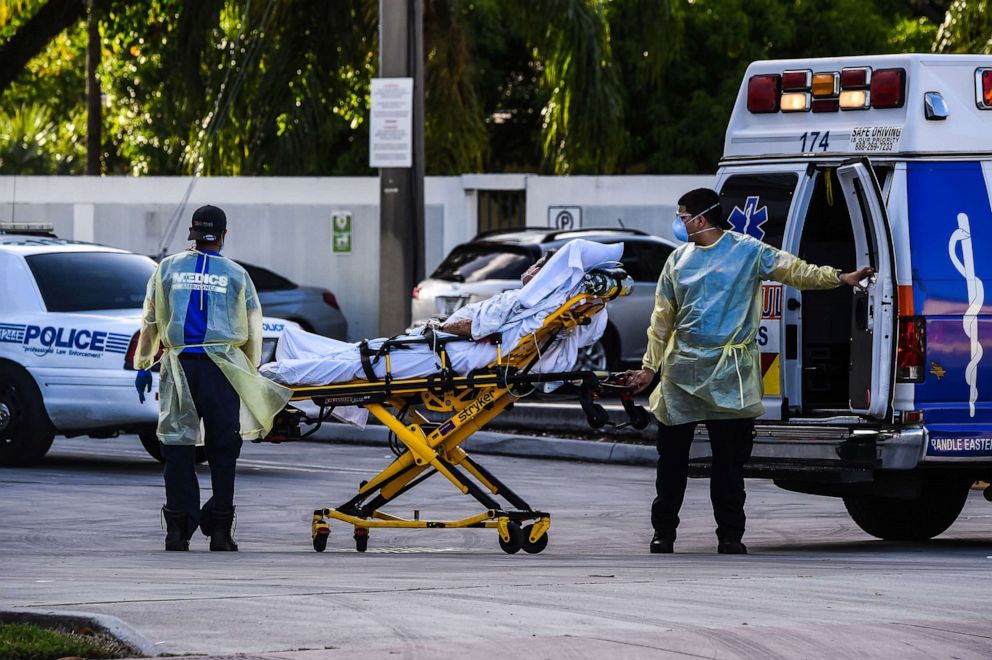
[
  {"x": 698, "y": 200},
  {"x": 546, "y": 257}
]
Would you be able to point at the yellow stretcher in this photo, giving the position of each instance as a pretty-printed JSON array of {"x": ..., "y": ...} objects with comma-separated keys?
[{"x": 426, "y": 448}]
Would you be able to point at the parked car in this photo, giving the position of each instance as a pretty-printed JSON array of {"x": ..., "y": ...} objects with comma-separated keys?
[
  {"x": 314, "y": 309},
  {"x": 493, "y": 262},
  {"x": 69, "y": 319}
]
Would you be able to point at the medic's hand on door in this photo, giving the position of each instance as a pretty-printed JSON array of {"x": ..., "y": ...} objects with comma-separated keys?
[
  {"x": 638, "y": 379},
  {"x": 855, "y": 278}
]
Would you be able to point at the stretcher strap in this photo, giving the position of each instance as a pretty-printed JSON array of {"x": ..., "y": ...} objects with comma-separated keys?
[{"x": 364, "y": 352}]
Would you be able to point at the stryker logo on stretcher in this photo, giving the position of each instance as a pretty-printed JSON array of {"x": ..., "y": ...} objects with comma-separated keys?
[
  {"x": 75, "y": 342},
  {"x": 200, "y": 282}
]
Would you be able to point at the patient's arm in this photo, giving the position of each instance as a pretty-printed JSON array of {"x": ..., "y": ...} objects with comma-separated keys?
[{"x": 462, "y": 327}]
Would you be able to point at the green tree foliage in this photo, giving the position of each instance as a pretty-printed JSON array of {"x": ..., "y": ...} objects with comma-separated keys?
[
  {"x": 558, "y": 86},
  {"x": 967, "y": 28}
]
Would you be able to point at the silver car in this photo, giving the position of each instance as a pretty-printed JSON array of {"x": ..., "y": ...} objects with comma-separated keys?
[
  {"x": 493, "y": 262},
  {"x": 314, "y": 309}
]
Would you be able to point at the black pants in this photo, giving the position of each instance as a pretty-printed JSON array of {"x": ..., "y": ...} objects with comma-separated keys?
[
  {"x": 219, "y": 406},
  {"x": 731, "y": 441}
]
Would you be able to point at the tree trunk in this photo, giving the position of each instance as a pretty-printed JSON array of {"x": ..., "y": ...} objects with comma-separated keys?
[{"x": 94, "y": 115}]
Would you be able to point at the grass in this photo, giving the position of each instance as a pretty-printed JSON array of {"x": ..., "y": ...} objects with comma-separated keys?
[{"x": 22, "y": 641}]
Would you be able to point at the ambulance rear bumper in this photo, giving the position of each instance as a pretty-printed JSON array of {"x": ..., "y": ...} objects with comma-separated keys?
[{"x": 802, "y": 447}]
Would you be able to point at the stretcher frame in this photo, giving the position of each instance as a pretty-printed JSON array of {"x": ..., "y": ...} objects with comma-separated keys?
[{"x": 472, "y": 401}]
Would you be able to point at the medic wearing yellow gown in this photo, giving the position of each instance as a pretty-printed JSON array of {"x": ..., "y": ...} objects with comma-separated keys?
[{"x": 702, "y": 342}]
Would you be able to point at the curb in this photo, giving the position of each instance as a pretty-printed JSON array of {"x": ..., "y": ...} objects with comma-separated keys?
[
  {"x": 507, "y": 444},
  {"x": 109, "y": 625}
]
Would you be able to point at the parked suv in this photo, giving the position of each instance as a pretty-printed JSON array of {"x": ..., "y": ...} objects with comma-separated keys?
[{"x": 493, "y": 262}]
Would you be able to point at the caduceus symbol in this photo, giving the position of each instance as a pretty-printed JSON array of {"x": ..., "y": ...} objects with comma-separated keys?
[{"x": 976, "y": 299}]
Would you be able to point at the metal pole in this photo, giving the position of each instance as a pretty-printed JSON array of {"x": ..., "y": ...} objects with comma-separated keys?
[
  {"x": 401, "y": 205},
  {"x": 93, "y": 100}
]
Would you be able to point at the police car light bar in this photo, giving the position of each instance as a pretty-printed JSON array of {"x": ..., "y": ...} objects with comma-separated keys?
[
  {"x": 27, "y": 228},
  {"x": 853, "y": 88},
  {"x": 983, "y": 88}
]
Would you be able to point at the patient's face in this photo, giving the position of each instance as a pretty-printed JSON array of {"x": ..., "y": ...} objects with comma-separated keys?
[{"x": 532, "y": 271}]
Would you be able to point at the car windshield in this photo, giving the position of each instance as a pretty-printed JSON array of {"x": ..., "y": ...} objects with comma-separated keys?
[
  {"x": 87, "y": 281},
  {"x": 475, "y": 263}
]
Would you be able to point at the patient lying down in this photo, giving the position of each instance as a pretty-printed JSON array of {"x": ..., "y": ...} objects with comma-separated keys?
[{"x": 307, "y": 359}]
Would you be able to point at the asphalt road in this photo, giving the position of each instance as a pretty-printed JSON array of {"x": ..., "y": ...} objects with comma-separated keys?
[{"x": 82, "y": 532}]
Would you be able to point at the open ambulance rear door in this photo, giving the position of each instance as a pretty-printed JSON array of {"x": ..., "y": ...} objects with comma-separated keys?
[{"x": 873, "y": 315}]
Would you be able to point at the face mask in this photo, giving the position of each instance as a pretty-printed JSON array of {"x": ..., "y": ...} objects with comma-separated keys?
[{"x": 678, "y": 225}]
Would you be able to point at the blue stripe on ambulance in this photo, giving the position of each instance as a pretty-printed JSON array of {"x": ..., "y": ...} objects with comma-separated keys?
[{"x": 950, "y": 223}]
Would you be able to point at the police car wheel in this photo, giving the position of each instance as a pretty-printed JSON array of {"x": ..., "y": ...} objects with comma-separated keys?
[
  {"x": 26, "y": 433},
  {"x": 917, "y": 519},
  {"x": 152, "y": 445}
]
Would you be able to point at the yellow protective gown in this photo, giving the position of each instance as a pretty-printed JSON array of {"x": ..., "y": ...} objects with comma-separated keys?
[
  {"x": 702, "y": 337},
  {"x": 233, "y": 341}
]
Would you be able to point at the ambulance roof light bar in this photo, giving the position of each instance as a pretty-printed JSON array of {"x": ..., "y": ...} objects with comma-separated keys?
[
  {"x": 763, "y": 92},
  {"x": 852, "y": 88},
  {"x": 983, "y": 88}
]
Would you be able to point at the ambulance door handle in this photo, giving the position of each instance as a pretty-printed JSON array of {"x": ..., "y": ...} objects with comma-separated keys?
[{"x": 793, "y": 304}]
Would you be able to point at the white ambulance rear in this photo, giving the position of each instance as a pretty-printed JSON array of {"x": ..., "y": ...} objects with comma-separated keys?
[{"x": 884, "y": 398}]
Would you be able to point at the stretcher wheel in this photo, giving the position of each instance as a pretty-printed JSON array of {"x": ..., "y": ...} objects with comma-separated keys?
[
  {"x": 596, "y": 416},
  {"x": 537, "y": 546},
  {"x": 361, "y": 540},
  {"x": 516, "y": 541},
  {"x": 639, "y": 418},
  {"x": 320, "y": 540}
]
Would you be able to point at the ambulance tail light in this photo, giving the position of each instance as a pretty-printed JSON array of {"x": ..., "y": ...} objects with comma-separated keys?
[
  {"x": 911, "y": 351},
  {"x": 983, "y": 88},
  {"x": 888, "y": 88},
  {"x": 763, "y": 93}
]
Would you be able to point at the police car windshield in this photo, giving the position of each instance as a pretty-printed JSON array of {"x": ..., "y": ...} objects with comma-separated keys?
[{"x": 88, "y": 281}]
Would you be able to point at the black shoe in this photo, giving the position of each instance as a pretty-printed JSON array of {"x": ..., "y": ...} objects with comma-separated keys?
[
  {"x": 220, "y": 528},
  {"x": 661, "y": 545},
  {"x": 178, "y": 530},
  {"x": 731, "y": 548}
]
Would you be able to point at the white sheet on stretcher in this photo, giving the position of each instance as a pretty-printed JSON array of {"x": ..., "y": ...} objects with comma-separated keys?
[{"x": 303, "y": 358}]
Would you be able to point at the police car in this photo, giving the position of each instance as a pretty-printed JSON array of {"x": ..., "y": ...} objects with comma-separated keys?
[
  {"x": 69, "y": 319},
  {"x": 884, "y": 398}
]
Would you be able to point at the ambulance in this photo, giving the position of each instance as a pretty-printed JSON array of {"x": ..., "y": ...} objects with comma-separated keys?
[
  {"x": 69, "y": 319},
  {"x": 883, "y": 398}
]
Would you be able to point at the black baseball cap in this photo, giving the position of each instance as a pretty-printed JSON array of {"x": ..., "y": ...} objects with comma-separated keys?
[{"x": 209, "y": 224}]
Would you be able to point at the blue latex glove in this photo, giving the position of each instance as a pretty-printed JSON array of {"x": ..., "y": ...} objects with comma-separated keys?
[{"x": 143, "y": 383}]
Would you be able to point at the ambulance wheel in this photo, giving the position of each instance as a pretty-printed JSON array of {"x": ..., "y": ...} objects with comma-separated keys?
[
  {"x": 320, "y": 540},
  {"x": 26, "y": 432},
  {"x": 516, "y": 541},
  {"x": 918, "y": 519},
  {"x": 152, "y": 445},
  {"x": 537, "y": 546}
]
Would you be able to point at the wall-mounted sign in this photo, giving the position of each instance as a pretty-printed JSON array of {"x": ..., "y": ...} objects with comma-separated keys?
[
  {"x": 565, "y": 217},
  {"x": 391, "y": 123},
  {"x": 341, "y": 232}
]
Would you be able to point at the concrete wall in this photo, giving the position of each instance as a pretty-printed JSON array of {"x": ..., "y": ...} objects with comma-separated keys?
[{"x": 285, "y": 223}]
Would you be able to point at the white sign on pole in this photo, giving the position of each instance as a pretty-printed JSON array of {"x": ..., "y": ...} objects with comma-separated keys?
[
  {"x": 565, "y": 217},
  {"x": 391, "y": 123}
]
